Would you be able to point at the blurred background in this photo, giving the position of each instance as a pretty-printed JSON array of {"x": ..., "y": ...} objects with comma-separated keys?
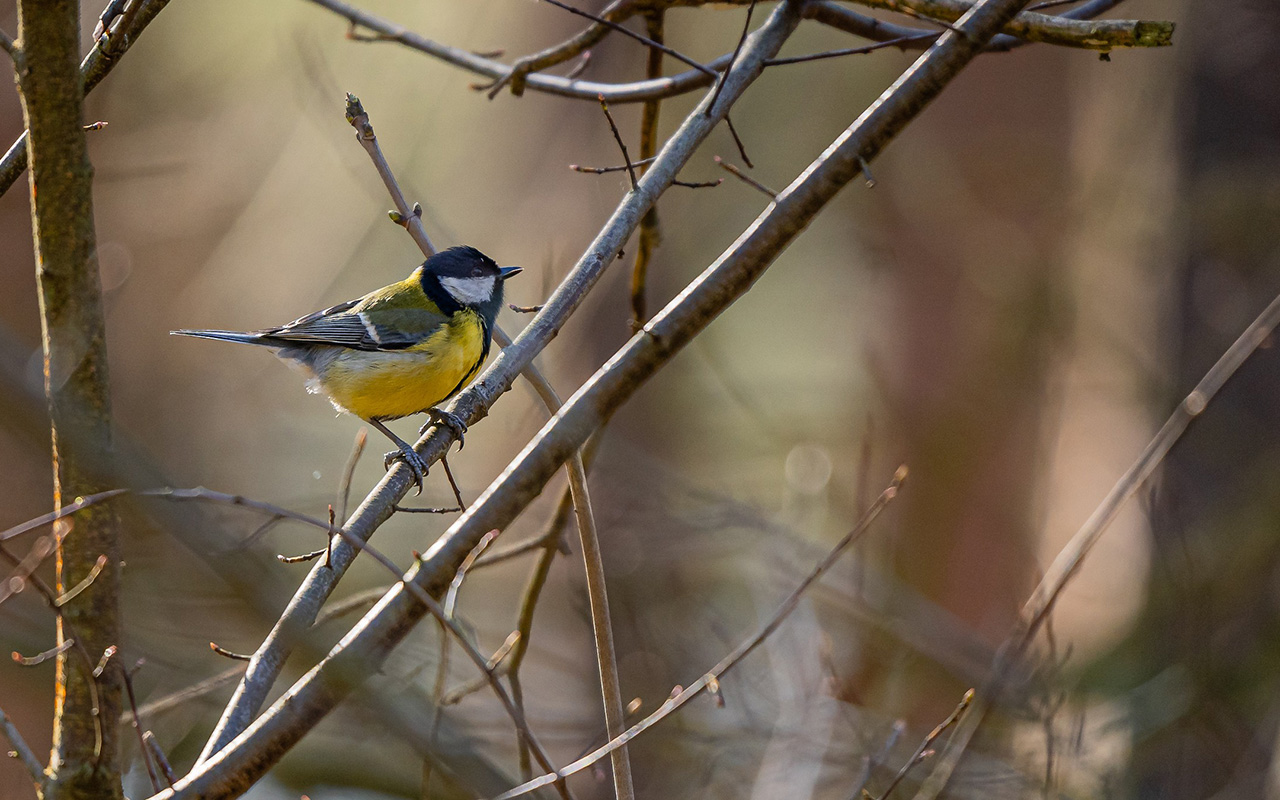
[{"x": 1054, "y": 254}]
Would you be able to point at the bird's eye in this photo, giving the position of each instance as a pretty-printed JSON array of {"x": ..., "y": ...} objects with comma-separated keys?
[{"x": 477, "y": 272}]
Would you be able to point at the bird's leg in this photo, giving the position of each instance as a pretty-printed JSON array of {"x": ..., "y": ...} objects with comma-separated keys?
[
  {"x": 450, "y": 420},
  {"x": 406, "y": 454}
]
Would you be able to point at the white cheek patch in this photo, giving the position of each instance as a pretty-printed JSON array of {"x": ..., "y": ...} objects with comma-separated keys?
[{"x": 469, "y": 291}]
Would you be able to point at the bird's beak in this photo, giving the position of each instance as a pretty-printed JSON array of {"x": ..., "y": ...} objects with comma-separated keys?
[{"x": 508, "y": 272}]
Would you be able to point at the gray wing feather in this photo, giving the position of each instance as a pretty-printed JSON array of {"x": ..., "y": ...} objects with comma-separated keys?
[{"x": 342, "y": 326}]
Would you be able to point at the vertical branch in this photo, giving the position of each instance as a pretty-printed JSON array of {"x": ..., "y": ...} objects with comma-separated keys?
[
  {"x": 602, "y": 626},
  {"x": 650, "y": 235},
  {"x": 84, "y": 759}
]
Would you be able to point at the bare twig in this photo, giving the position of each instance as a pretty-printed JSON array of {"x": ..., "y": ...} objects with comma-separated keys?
[
  {"x": 826, "y": 11},
  {"x": 152, "y": 746},
  {"x": 431, "y": 510},
  {"x": 1051, "y": 4},
  {"x": 453, "y": 484},
  {"x": 126, "y": 675},
  {"x": 409, "y": 217},
  {"x": 645, "y": 40},
  {"x": 737, "y": 140},
  {"x": 617, "y": 137},
  {"x": 616, "y": 11},
  {"x": 344, "y": 488},
  {"x": 619, "y": 168},
  {"x": 24, "y": 752},
  {"x": 699, "y": 184},
  {"x": 713, "y": 676},
  {"x": 1068, "y": 561},
  {"x": 745, "y": 178},
  {"x": 302, "y": 558},
  {"x": 225, "y": 653},
  {"x": 853, "y": 51},
  {"x": 650, "y": 230},
  {"x": 6, "y": 44},
  {"x": 40, "y": 658},
  {"x": 746, "y": 28},
  {"x": 70, "y": 594},
  {"x": 924, "y": 750},
  {"x": 65, "y": 511}
]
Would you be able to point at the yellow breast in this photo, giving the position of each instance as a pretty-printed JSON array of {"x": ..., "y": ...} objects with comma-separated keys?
[{"x": 387, "y": 385}]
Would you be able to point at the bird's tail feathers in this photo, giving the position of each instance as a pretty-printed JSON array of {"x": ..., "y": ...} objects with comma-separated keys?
[{"x": 226, "y": 336}]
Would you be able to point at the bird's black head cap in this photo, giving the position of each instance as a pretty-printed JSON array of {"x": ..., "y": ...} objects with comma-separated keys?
[{"x": 463, "y": 277}]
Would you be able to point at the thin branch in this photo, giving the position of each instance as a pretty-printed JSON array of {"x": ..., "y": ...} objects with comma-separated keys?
[
  {"x": 699, "y": 184},
  {"x": 40, "y": 658},
  {"x": 453, "y": 484},
  {"x": 746, "y": 28},
  {"x": 712, "y": 677},
  {"x": 1069, "y": 560},
  {"x": 616, "y": 11},
  {"x": 619, "y": 168},
  {"x": 6, "y": 43},
  {"x": 344, "y": 487},
  {"x": 409, "y": 217},
  {"x": 126, "y": 675},
  {"x": 24, "y": 752},
  {"x": 1058, "y": 30},
  {"x": 617, "y": 137},
  {"x": 745, "y": 178},
  {"x": 184, "y": 696},
  {"x": 924, "y": 750},
  {"x": 737, "y": 140},
  {"x": 432, "y": 510},
  {"x": 225, "y": 653},
  {"x": 854, "y": 51},
  {"x": 645, "y": 40},
  {"x": 70, "y": 594},
  {"x": 65, "y": 511},
  {"x": 152, "y": 746}
]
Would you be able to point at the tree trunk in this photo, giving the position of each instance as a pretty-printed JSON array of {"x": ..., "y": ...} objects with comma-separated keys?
[
  {"x": 84, "y": 762},
  {"x": 1215, "y": 513}
]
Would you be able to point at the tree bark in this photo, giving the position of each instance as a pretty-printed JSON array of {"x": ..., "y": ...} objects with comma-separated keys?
[{"x": 84, "y": 761}]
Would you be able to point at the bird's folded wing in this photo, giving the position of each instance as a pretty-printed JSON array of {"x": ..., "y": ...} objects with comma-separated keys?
[{"x": 378, "y": 328}]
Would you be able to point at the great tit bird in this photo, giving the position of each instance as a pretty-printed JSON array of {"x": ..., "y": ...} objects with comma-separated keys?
[{"x": 400, "y": 350}]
